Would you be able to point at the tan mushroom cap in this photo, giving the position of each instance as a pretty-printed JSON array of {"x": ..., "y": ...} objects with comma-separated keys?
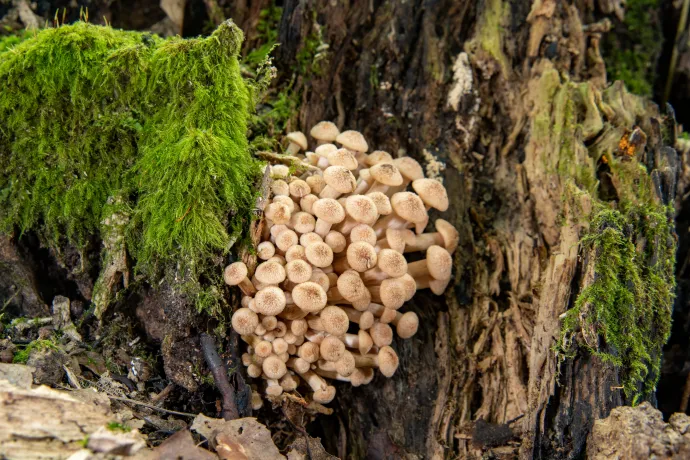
[
  {"x": 235, "y": 273},
  {"x": 269, "y": 322},
  {"x": 319, "y": 254},
  {"x": 309, "y": 238},
  {"x": 342, "y": 157},
  {"x": 296, "y": 252},
  {"x": 299, "y": 188},
  {"x": 280, "y": 187},
  {"x": 386, "y": 173},
  {"x": 265, "y": 250},
  {"x": 381, "y": 334},
  {"x": 334, "y": 320},
  {"x": 439, "y": 262},
  {"x": 309, "y": 351},
  {"x": 393, "y": 293},
  {"x": 324, "y": 149},
  {"x": 398, "y": 238},
  {"x": 320, "y": 278},
  {"x": 409, "y": 285},
  {"x": 244, "y": 321},
  {"x": 279, "y": 213},
  {"x": 438, "y": 287},
  {"x": 309, "y": 296},
  {"x": 289, "y": 382},
  {"x": 270, "y": 273},
  {"x": 331, "y": 348},
  {"x": 280, "y": 346},
  {"x": 362, "y": 209},
  {"x": 336, "y": 241},
  {"x": 409, "y": 168},
  {"x": 345, "y": 366},
  {"x": 409, "y": 206},
  {"x": 351, "y": 286},
  {"x": 263, "y": 349},
  {"x": 286, "y": 239},
  {"x": 450, "y": 235},
  {"x": 302, "y": 222},
  {"x": 298, "y": 271},
  {"x": 432, "y": 193},
  {"x": 279, "y": 171},
  {"x": 363, "y": 232},
  {"x": 307, "y": 202},
  {"x": 392, "y": 263},
  {"x": 361, "y": 256},
  {"x": 324, "y": 395},
  {"x": 382, "y": 202},
  {"x": 329, "y": 210},
  {"x": 298, "y": 138},
  {"x": 407, "y": 324},
  {"x": 274, "y": 367},
  {"x": 352, "y": 140},
  {"x": 269, "y": 301},
  {"x": 340, "y": 179},
  {"x": 388, "y": 361},
  {"x": 286, "y": 200},
  {"x": 299, "y": 365},
  {"x": 379, "y": 156},
  {"x": 316, "y": 184},
  {"x": 325, "y": 131}
]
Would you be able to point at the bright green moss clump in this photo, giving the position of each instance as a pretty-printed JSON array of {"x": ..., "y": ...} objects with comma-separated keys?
[{"x": 90, "y": 112}]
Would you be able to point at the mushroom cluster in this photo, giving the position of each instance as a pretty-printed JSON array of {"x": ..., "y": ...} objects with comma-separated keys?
[{"x": 325, "y": 300}]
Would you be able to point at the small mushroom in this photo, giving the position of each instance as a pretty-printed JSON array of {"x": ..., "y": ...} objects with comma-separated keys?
[
  {"x": 328, "y": 212},
  {"x": 407, "y": 208},
  {"x": 342, "y": 157},
  {"x": 391, "y": 264},
  {"x": 336, "y": 241},
  {"x": 297, "y": 141},
  {"x": 379, "y": 156},
  {"x": 274, "y": 367},
  {"x": 339, "y": 180},
  {"x": 302, "y": 222},
  {"x": 386, "y": 360},
  {"x": 265, "y": 250},
  {"x": 362, "y": 341},
  {"x": 269, "y": 301},
  {"x": 438, "y": 264},
  {"x": 406, "y": 324},
  {"x": 352, "y": 140},
  {"x": 235, "y": 274},
  {"x": 298, "y": 189},
  {"x": 270, "y": 273},
  {"x": 298, "y": 271},
  {"x": 309, "y": 296},
  {"x": 432, "y": 193},
  {"x": 381, "y": 334},
  {"x": 364, "y": 319},
  {"x": 308, "y": 201},
  {"x": 324, "y": 131},
  {"x": 360, "y": 256},
  {"x": 385, "y": 175},
  {"x": 360, "y": 209},
  {"x": 445, "y": 235},
  {"x": 363, "y": 232},
  {"x": 244, "y": 321},
  {"x": 280, "y": 187},
  {"x": 331, "y": 348}
]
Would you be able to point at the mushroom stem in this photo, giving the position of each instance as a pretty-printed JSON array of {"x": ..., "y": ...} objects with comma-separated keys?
[
  {"x": 406, "y": 324},
  {"x": 361, "y": 341},
  {"x": 390, "y": 221},
  {"x": 385, "y": 315},
  {"x": 365, "y": 319},
  {"x": 299, "y": 365},
  {"x": 293, "y": 148},
  {"x": 386, "y": 360},
  {"x": 273, "y": 387},
  {"x": 418, "y": 269},
  {"x": 423, "y": 241}
]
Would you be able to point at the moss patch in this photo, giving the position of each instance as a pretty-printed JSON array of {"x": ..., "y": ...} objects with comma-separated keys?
[
  {"x": 22, "y": 356},
  {"x": 88, "y": 113}
]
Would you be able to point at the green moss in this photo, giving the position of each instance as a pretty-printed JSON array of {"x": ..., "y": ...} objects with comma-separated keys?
[
  {"x": 632, "y": 49},
  {"x": 10, "y": 41},
  {"x": 22, "y": 356},
  {"x": 118, "y": 427},
  {"x": 88, "y": 113},
  {"x": 490, "y": 33},
  {"x": 267, "y": 31}
]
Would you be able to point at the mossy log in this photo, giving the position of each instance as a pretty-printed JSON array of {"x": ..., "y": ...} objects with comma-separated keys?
[{"x": 561, "y": 184}]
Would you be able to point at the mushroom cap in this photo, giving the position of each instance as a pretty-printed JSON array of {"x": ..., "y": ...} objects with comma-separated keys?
[
  {"x": 289, "y": 382},
  {"x": 308, "y": 201},
  {"x": 334, "y": 320},
  {"x": 409, "y": 285},
  {"x": 235, "y": 273},
  {"x": 363, "y": 232},
  {"x": 382, "y": 202},
  {"x": 359, "y": 376},
  {"x": 324, "y": 395},
  {"x": 361, "y": 256},
  {"x": 379, "y": 156},
  {"x": 331, "y": 348},
  {"x": 362, "y": 209},
  {"x": 324, "y": 131},
  {"x": 439, "y": 262},
  {"x": 386, "y": 173},
  {"x": 279, "y": 171},
  {"x": 398, "y": 238},
  {"x": 270, "y": 273},
  {"x": 300, "y": 365},
  {"x": 296, "y": 252},
  {"x": 450, "y": 235},
  {"x": 381, "y": 334},
  {"x": 277, "y": 258},
  {"x": 432, "y": 193},
  {"x": 286, "y": 200},
  {"x": 329, "y": 210},
  {"x": 366, "y": 320},
  {"x": 263, "y": 349},
  {"x": 279, "y": 213},
  {"x": 392, "y": 263},
  {"x": 438, "y": 287},
  {"x": 265, "y": 250},
  {"x": 351, "y": 286},
  {"x": 286, "y": 239},
  {"x": 388, "y": 315},
  {"x": 298, "y": 326},
  {"x": 309, "y": 351},
  {"x": 309, "y": 238},
  {"x": 277, "y": 229},
  {"x": 342, "y": 157},
  {"x": 316, "y": 183},
  {"x": 298, "y": 271},
  {"x": 324, "y": 149},
  {"x": 340, "y": 179},
  {"x": 298, "y": 138},
  {"x": 280, "y": 346},
  {"x": 320, "y": 278},
  {"x": 336, "y": 241},
  {"x": 365, "y": 175},
  {"x": 407, "y": 325},
  {"x": 345, "y": 366},
  {"x": 299, "y": 188},
  {"x": 302, "y": 222},
  {"x": 409, "y": 206},
  {"x": 393, "y": 293},
  {"x": 363, "y": 302},
  {"x": 269, "y": 322},
  {"x": 319, "y": 254},
  {"x": 280, "y": 187},
  {"x": 244, "y": 321},
  {"x": 388, "y": 361},
  {"x": 274, "y": 367},
  {"x": 269, "y": 301},
  {"x": 309, "y": 296},
  {"x": 409, "y": 168},
  {"x": 352, "y": 140},
  {"x": 365, "y": 341}
]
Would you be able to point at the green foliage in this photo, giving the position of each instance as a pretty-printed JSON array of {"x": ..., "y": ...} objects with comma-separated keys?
[
  {"x": 90, "y": 112},
  {"x": 10, "y": 41},
  {"x": 22, "y": 356},
  {"x": 632, "y": 51},
  {"x": 118, "y": 427},
  {"x": 267, "y": 31}
]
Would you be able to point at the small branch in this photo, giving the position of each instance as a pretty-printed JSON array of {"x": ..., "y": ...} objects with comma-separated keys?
[
  {"x": 151, "y": 406},
  {"x": 220, "y": 376}
]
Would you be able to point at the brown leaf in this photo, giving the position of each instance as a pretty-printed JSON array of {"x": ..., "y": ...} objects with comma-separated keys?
[
  {"x": 239, "y": 439},
  {"x": 181, "y": 446}
]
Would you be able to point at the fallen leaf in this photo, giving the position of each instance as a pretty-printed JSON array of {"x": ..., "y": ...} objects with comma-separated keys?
[
  {"x": 181, "y": 446},
  {"x": 243, "y": 436}
]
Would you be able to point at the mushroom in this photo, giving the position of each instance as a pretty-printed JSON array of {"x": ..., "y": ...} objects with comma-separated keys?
[
  {"x": 445, "y": 235},
  {"x": 308, "y": 238},
  {"x": 322, "y": 152},
  {"x": 302, "y": 222},
  {"x": 309, "y": 351},
  {"x": 392, "y": 293},
  {"x": 235, "y": 274},
  {"x": 279, "y": 171},
  {"x": 323, "y": 393},
  {"x": 364, "y": 319},
  {"x": 432, "y": 193},
  {"x": 309, "y": 296},
  {"x": 352, "y": 140},
  {"x": 384, "y": 314},
  {"x": 382, "y": 202},
  {"x": 391, "y": 264},
  {"x": 299, "y": 365},
  {"x": 328, "y": 212},
  {"x": 274, "y": 367},
  {"x": 438, "y": 287},
  {"x": 316, "y": 184},
  {"x": 298, "y": 271},
  {"x": 362, "y": 341},
  {"x": 269, "y": 322},
  {"x": 262, "y": 348},
  {"x": 336, "y": 241},
  {"x": 360, "y": 256},
  {"x": 244, "y": 321},
  {"x": 386, "y": 360},
  {"x": 339, "y": 180},
  {"x": 385, "y": 175},
  {"x": 363, "y": 232},
  {"x": 319, "y": 255},
  {"x": 269, "y": 301},
  {"x": 280, "y": 346},
  {"x": 280, "y": 187},
  {"x": 296, "y": 252},
  {"x": 364, "y": 181},
  {"x": 396, "y": 239},
  {"x": 278, "y": 213},
  {"x": 331, "y": 348},
  {"x": 360, "y": 209},
  {"x": 298, "y": 189},
  {"x": 407, "y": 207},
  {"x": 438, "y": 264},
  {"x": 342, "y": 157},
  {"x": 289, "y": 382},
  {"x": 332, "y": 320},
  {"x": 381, "y": 334},
  {"x": 324, "y": 131},
  {"x": 308, "y": 201},
  {"x": 360, "y": 376},
  {"x": 270, "y": 273},
  {"x": 320, "y": 278},
  {"x": 379, "y": 156},
  {"x": 285, "y": 240},
  {"x": 265, "y": 250},
  {"x": 410, "y": 169},
  {"x": 297, "y": 141}
]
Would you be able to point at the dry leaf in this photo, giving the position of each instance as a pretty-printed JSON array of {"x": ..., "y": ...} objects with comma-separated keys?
[{"x": 244, "y": 438}]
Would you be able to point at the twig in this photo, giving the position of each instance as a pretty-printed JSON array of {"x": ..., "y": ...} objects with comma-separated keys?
[
  {"x": 163, "y": 394},
  {"x": 220, "y": 376},
  {"x": 151, "y": 406}
]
